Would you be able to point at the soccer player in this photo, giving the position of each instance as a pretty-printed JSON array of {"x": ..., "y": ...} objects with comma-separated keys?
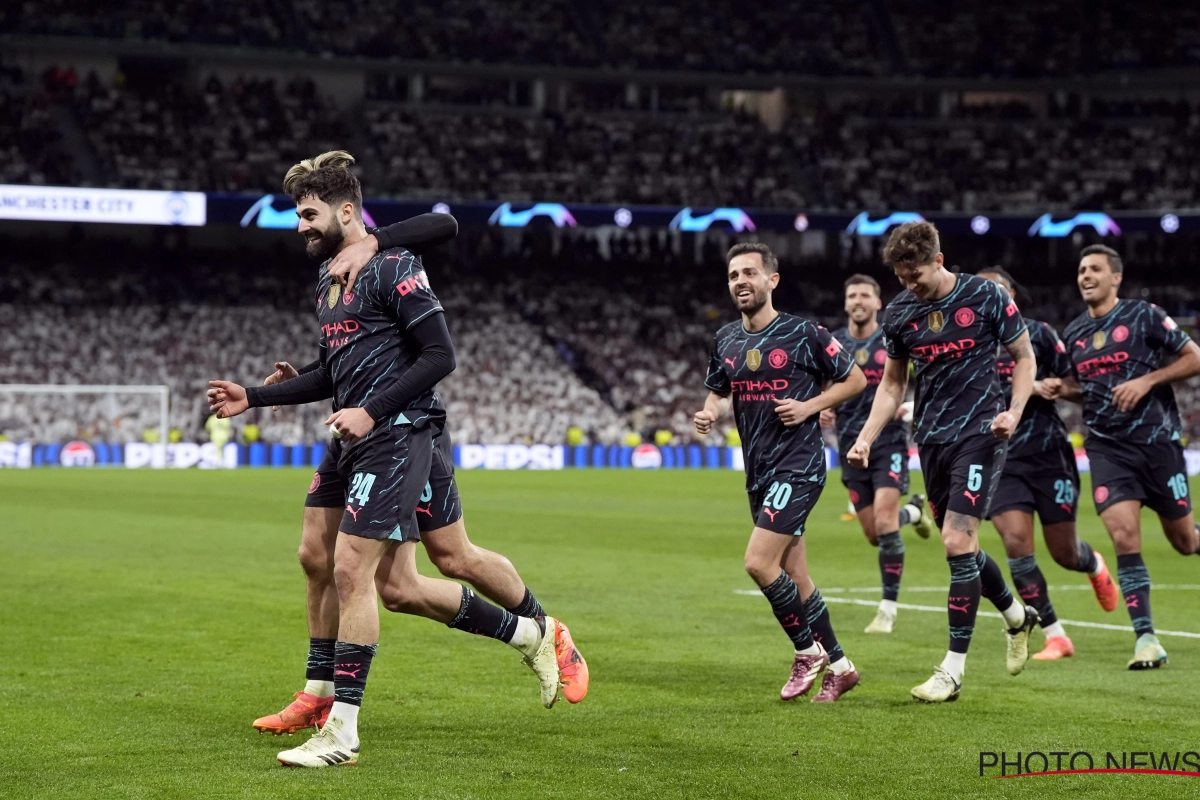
[
  {"x": 440, "y": 528},
  {"x": 771, "y": 368},
  {"x": 1040, "y": 476},
  {"x": 1126, "y": 354},
  {"x": 876, "y": 492},
  {"x": 384, "y": 348},
  {"x": 952, "y": 326}
]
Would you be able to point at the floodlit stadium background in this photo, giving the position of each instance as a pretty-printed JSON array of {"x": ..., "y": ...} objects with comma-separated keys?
[{"x": 597, "y": 182}]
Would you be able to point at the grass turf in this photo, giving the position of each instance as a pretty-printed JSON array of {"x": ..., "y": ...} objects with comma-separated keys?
[{"x": 148, "y": 617}]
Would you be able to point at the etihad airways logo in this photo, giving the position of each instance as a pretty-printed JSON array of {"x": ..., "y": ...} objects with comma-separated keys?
[
  {"x": 936, "y": 349},
  {"x": 758, "y": 391}
]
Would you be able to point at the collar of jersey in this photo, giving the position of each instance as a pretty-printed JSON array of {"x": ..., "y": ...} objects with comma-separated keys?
[
  {"x": 774, "y": 322},
  {"x": 878, "y": 328},
  {"x": 958, "y": 284},
  {"x": 1101, "y": 320}
]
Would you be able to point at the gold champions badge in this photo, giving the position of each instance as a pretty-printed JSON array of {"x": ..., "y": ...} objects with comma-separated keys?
[
  {"x": 860, "y": 357},
  {"x": 1098, "y": 340},
  {"x": 334, "y": 291},
  {"x": 936, "y": 321},
  {"x": 753, "y": 359}
]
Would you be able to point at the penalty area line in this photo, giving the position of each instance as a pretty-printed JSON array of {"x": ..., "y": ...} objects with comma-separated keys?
[{"x": 941, "y": 610}]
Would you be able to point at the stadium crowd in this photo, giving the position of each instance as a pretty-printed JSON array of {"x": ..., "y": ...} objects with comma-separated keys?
[
  {"x": 1050, "y": 38},
  {"x": 578, "y": 336},
  {"x": 240, "y": 135}
]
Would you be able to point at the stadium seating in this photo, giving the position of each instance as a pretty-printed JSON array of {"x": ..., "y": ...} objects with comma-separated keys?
[
  {"x": 612, "y": 339},
  {"x": 1050, "y": 38}
]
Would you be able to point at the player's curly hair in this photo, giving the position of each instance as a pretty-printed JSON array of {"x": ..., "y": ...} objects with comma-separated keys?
[
  {"x": 913, "y": 244},
  {"x": 326, "y": 177}
]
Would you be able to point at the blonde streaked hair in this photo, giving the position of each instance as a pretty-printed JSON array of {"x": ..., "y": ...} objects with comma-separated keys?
[{"x": 326, "y": 177}]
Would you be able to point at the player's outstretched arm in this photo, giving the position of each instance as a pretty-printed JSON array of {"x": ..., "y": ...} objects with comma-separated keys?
[
  {"x": 888, "y": 398},
  {"x": 793, "y": 412},
  {"x": 1024, "y": 371},
  {"x": 1186, "y": 364},
  {"x": 226, "y": 399},
  {"x": 716, "y": 406},
  {"x": 307, "y": 388},
  {"x": 415, "y": 235}
]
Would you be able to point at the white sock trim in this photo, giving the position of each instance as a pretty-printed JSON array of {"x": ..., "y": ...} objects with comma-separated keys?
[
  {"x": 909, "y": 515},
  {"x": 841, "y": 666},
  {"x": 344, "y": 717},
  {"x": 955, "y": 664},
  {"x": 1014, "y": 615},
  {"x": 319, "y": 688},
  {"x": 1054, "y": 630},
  {"x": 888, "y": 607},
  {"x": 527, "y": 636}
]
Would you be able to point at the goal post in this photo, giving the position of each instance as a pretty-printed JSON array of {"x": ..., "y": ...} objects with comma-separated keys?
[{"x": 162, "y": 391}]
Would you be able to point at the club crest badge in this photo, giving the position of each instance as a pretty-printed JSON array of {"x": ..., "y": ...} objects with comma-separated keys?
[
  {"x": 1098, "y": 340},
  {"x": 860, "y": 357},
  {"x": 753, "y": 359},
  {"x": 334, "y": 291},
  {"x": 937, "y": 321}
]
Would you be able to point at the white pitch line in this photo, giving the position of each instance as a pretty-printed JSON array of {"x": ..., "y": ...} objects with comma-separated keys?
[{"x": 941, "y": 610}]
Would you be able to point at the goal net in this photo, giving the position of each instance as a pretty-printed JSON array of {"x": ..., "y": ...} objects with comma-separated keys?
[{"x": 81, "y": 424}]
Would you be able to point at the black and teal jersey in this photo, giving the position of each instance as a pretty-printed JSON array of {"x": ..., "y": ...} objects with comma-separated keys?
[
  {"x": 365, "y": 344},
  {"x": 1041, "y": 428},
  {"x": 1134, "y": 339},
  {"x": 870, "y": 355},
  {"x": 792, "y": 358},
  {"x": 952, "y": 343}
]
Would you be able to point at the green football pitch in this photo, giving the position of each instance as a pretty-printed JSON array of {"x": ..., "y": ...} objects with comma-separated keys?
[{"x": 148, "y": 617}]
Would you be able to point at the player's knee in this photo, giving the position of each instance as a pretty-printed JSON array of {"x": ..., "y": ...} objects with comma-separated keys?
[
  {"x": 760, "y": 569},
  {"x": 315, "y": 562},
  {"x": 399, "y": 599},
  {"x": 460, "y": 566},
  {"x": 349, "y": 579}
]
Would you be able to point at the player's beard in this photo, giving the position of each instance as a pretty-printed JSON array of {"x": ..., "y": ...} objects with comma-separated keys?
[
  {"x": 753, "y": 305},
  {"x": 326, "y": 244}
]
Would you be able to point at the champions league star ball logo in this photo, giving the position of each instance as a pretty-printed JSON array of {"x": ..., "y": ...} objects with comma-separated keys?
[
  {"x": 753, "y": 359},
  {"x": 936, "y": 321}
]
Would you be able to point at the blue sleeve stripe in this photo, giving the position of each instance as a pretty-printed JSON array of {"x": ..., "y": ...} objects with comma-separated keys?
[
  {"x": 423, "y": 316},
  {"x": 1018, "y": 335}
]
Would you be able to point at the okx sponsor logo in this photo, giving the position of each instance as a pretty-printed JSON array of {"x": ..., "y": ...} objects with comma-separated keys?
[{"x": 1040, "y": 763}]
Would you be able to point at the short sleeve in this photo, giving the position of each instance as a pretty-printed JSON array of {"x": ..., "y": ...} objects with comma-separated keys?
[
  {"x": 403, "y": 289},
  {"x": 896, "y": 349},
  {"x": 1055, "y": 357},
  {"x": 1164, "y": 333},
  {"x": 1006, "y": 320},
  {"x": 833, "y": 360},
  {"x": 717, "y": 381}
]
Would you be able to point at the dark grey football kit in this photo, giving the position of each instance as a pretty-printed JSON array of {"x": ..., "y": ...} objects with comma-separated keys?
[
  {"x": 888, "y": 467},
  {"x": 1039, "y": 474},
  {"x": 791, "y": 358},
  {"x": 952, "y": 342},
  {"x": 1135, "y": 454},
  {"x": 382, "y": 349}
]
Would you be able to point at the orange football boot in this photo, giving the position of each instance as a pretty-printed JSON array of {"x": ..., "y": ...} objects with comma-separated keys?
[
  {"x": 572, "y": 669},
  {"x": 1106, "y": 589},
  {"x": 1056, "y": 647},
  {"x": 306, "y": 711}
]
